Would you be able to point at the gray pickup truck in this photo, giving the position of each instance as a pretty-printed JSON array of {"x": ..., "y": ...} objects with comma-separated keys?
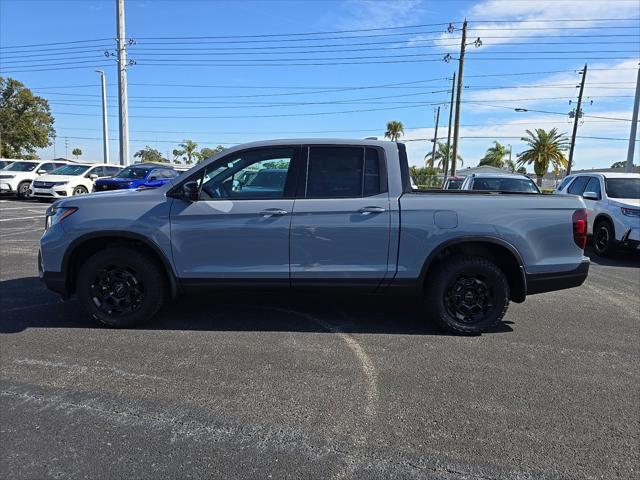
[{"x": 340, "y": 214}]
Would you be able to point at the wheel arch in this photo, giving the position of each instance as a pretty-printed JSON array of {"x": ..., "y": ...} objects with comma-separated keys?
[
  {"x": 91, "y": 243},
  {"x": 502, "y": 253}
]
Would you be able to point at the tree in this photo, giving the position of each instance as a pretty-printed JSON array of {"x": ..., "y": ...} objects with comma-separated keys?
[
  {"x": 76, "y": 152},
  {"x": 621, "y": 164},
  {"x": 176, "y": 155},
  {"x": 26, "y": 123},
  {"x": 394, "y": 131},
  {"x": 425, "y": 176},
  {"x": 148, "y": 154},
  {"x": 440, "y": 157},
  {"x": 495, "y": 157},
  {"x": 522, "y": 170},
  {"x": 189, "y": 150},
  {"x": 209, "y": 152},
  {"x": 546, "y": 149}
]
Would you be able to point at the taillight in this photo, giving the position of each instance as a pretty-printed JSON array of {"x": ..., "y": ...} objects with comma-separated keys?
[{"x": 579, "y": 220}]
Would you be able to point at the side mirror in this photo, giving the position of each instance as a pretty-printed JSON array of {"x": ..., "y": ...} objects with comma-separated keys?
[
  {"x": 191, "y": 191},
  {"x": 41, "y": 172},
  {"x": 590, "y": 196},
  {"x": 153, "y": 178},
  {"x": 93, "y": 176}
]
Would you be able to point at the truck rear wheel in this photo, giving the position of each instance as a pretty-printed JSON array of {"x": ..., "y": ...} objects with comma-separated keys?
[
  {"x": 121, "y": 287},
  {"x": 467, "y": 294}
]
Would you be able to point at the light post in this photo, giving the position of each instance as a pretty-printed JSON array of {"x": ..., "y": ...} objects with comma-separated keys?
[{"x": 105, "y": 127}]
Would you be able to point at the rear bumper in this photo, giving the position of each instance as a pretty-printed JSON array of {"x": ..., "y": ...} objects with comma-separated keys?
[{"x": 549, "y": 282}]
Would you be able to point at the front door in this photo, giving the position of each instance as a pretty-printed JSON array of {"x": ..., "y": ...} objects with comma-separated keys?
[
  {"x": 238, "y": 230},
  {"x": 341, "y": 223}
]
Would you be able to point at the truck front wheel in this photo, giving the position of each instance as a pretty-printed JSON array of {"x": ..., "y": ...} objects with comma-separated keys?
[
  {"x": 467, "y": 294},
  {"x": 121, "y": 287}
]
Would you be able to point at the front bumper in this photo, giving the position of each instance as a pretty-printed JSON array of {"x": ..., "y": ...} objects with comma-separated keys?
[
  {"x": 53, "y": 193},
  {"x": 54, "y": 281},
  {"x": 549, "y": 282},
  {"x": 631, "y": 238}
]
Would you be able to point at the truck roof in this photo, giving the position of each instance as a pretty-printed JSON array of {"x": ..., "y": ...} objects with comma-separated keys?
[{"x": 316, "y": 141}]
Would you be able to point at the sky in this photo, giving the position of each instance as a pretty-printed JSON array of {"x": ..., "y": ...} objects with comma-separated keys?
[{"x": 228, "y": 72}]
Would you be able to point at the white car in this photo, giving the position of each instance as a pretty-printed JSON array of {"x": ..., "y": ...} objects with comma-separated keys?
[
  {"x": 16, "y": 178},
  {"x": 69, "y": 180},
  {"x": 613, "y": 204},
  {"x": 499, "y": 182}
]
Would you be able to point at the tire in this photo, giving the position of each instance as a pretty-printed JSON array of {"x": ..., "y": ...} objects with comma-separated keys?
[
  {"x": 603, "y": 238},
  {"x": 79, "y": 190},
  {"x": 482, "y": 299},
  {"x": 121, "y": 287},
  {"x": 23, "y": 188}
]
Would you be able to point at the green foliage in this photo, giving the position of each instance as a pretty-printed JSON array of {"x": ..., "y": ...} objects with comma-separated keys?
[
  {"x": 621, "y": 164},
  {"x": 425, "y": 177},
  {"x": 148, "y": 154},
  {"x": 546, "y": 149},
  {"x": 522, "y": 170},
  {"x": 209, "y": 152},
  {"x": 441, "y": 156},
  {"x": 76, "y": 152},
  {"x": 188, "y": 151},
  {"x": 395, "y": 130},
  {"x": 495, "y": 157},
  {"x": 277, "y": 164},
  {"x": 26, "y": 123}
]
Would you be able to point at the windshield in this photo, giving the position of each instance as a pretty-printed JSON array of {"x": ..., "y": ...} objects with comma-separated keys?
[
  {"x": 623, "y": 187},
  {"x": 133, "y": 172},
  {"x": 70, "y": 170},
  {"x": 519, "y": 185},
  {"x": 22, "y": 167}
]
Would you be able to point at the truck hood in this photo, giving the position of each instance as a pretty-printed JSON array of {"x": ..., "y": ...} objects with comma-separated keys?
[
  {"x": 56, "y": 178},
  {"x": 625, "y": 202},
  {"x": 105, "y": 198}
]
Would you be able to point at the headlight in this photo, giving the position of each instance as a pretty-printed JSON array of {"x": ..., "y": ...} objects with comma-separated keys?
[
  {"x": 57, "y": 184},
  {"x": 630, "y": 212},
  {"x": 56, "y": 214}
]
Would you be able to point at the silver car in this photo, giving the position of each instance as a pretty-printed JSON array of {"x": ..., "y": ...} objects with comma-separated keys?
[{"x": 613, "y": 202}]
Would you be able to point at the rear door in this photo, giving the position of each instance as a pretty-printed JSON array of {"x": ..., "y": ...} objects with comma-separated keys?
[
  {"x": 341, "y": 222},
  {"x": 593, "y": 185}
]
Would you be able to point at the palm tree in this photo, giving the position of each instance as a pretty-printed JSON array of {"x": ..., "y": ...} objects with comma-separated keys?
[
  {"x": 189, "y": 150},
  {"x": 394, "y": 131},
  {"x": 494, "y": 157},
  {"x": 546, "y": 149},
  {"x": 441, "y": 156}
]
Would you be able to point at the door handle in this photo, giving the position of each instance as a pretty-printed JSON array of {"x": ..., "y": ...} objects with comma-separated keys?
[
  {"x": 270, "y": 212},
  {"x": 369, "y": 210}
]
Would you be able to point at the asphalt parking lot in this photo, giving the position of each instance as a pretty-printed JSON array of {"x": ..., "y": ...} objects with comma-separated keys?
[{"x": 265, "y": 387}]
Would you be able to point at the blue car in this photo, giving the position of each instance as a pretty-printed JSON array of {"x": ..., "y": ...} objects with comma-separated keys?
[{"x": 144, "y": 175}]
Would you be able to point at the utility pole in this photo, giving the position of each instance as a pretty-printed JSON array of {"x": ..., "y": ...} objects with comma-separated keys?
[
  {"x": 66, "y": 148},
  {"x": 456, "y": 129},
  {"x": 105, "y": 127},
  {"x": 634, "y": 126},
  {"x": 123, "y": 108},
  {"x": 576, "y": 119},
  {"x": 54, "y": 147},
  {"x": 446, "y": 158},
  {"x": 435, "y": 136}
]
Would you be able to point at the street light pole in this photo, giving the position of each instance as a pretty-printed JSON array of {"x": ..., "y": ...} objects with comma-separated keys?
[
  {"x": 105, "y": 127},
  {"x": 446, "y": 159},
  {"x": 576, "y": 120}
]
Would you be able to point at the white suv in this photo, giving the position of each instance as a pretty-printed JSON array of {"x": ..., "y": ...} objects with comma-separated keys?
[
  {"x": 613, "y": 202},
  {"x": 17, "y": 176},
  {"x": 72, "y": 179}
]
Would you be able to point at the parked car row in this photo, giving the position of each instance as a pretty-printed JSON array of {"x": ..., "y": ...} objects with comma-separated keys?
[
  {"x": 50, "y": 180},
  {"x": 612, "y": 200}
]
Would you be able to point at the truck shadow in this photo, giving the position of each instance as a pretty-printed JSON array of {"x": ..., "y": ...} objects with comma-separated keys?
[
  {"x": 25, "y": 304},
  {"x": 621, "y": 258}
]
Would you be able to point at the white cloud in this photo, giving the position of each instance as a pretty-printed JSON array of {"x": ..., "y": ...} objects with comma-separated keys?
[
  {"x": 363, "y": 14},
  {"x": 519, "y": 21}
]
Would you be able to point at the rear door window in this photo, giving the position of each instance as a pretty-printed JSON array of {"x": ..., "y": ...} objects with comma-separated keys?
[
  {"x": 577, "y": 187},
  {"x": 343, "y": 172}
]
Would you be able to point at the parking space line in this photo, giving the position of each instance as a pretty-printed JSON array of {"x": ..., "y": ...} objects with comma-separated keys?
[{"x": 19, "y": 218}]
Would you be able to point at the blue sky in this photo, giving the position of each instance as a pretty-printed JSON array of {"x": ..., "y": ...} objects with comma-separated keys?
[{"x": 199, "y": 92}]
